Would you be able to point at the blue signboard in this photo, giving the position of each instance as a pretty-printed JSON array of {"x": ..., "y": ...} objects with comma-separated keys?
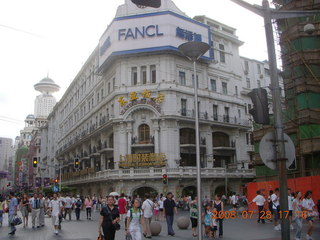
[{"x": 55, "y": 189}]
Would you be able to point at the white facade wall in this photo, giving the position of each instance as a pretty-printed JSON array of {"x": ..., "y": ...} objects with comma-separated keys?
[
  {"x": 89, "y": 114},
  {"x": 43, "y": 105}
]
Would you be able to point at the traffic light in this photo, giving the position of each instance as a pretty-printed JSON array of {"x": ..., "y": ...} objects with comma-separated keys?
[
  {"x": 56, "y": 180},
  {"x": 260, "y": 110},
  {"x": 35, "y": 162},
  {"x": 148, "y": 3},
  {"x": 165, "y": 178},
  {"x": 76, "y": 163}
]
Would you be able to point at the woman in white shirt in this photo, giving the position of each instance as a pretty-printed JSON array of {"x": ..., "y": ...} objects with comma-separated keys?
[
  {"x": 134, "y": 221},
  {"x": 308, "y": 205}
]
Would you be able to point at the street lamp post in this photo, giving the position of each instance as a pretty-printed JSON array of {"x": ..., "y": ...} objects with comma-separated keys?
[
  {"x": 268, "y": 14},
  {"x": 193, "y": 51}
]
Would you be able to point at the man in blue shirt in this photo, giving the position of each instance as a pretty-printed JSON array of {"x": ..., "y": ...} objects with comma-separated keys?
[
  {"x": 12, "y": 212},
  {"x": 35, "y": 205}
]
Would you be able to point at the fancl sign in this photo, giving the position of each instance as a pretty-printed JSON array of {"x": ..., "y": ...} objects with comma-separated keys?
[
  {"x": 166, "y": 31},
  {"x": 142, "y": 32}
]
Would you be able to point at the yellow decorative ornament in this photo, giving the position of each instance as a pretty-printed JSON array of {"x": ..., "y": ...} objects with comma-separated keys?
[
  {"x": 133, "y": 96},
  {"x": 160, "y": 98},
  {"x": 146, "y": 94},
  {"x": 122, "y": 101}
]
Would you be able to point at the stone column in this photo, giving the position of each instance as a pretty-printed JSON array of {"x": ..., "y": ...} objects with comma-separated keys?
[
  {"x": 156, "y": 136},
  {"x": 123, "y": 139},
  {"x": 129, "y": 136}
]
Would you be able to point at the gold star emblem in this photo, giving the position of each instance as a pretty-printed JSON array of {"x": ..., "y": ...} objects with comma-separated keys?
[
  {"x": 146, "y": 94},
  {"x": 122, "y": 101}
]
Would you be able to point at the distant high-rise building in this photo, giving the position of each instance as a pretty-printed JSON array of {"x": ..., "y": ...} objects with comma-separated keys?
[
  {"x": 6, "y": 151},
  {"x": 45, "y": 102}
]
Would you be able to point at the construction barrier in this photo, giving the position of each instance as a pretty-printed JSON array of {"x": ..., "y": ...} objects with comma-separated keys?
[{"x": 302, "y": 184}]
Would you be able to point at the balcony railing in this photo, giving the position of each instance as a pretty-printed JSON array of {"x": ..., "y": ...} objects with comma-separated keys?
[
  {"x": 135, "y": 140},
  {"x": 216, "y": 118},
  {"x": 151, "y": 173}
]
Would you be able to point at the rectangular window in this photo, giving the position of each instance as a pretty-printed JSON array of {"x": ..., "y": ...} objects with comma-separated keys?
[
  {"x": 113, "y": 83},
  {"x": 245, "y": 108},
  {"x": 153, "y": 73},
  {"x": 193, "y": 81},
  {"x": 226, "y": 114},
  {"x": 98, "y": 97},
  {"x": 246, "y": 66},
  {"x": 259, "y": 68},
  {"x": 101, "y": 93},
  {"x": 224, "y": 88},
  {"x": 239, "y": 113},
  {"x": 215, "y": 112},
  {"x": 267, "y": 71},
  {"x": 222, "y": 53},
  {"x": 258, "y": 83},
  {"x": 236, "y": 90},
  {"x": 109, "y": 87},
  {"x": 184, "y": 107},
  {"x": 249, "y": 107},
  {"x": 182, "y": 78},
  {"x": 134, "y": 76},
  {"x": 144, "y": 75},
  {"x": 248, "y": 82},
  {"x": 213, "y": 83}
]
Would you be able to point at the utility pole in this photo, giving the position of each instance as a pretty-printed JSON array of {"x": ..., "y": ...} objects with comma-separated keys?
[{"x": 268, "y": 14}]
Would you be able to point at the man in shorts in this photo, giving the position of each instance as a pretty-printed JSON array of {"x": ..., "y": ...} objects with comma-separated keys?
[{"x": 55, "y": 207}]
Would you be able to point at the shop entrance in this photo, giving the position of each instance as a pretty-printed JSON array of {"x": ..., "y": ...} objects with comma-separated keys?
[
  {"x": 189, "y": 191},
  {"x": 143, "y": 190}
]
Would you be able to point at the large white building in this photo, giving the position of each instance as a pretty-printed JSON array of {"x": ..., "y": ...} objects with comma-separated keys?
[
  {"x": 6, "y": 157},
  {"x": 129, "y": 113},
  {"x": 45, "y": 102}
]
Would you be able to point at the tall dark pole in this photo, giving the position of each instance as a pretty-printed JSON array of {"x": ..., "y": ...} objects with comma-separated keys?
[
  {"x": 278, "y": 125},
  {"x": 193, "y": 51}
]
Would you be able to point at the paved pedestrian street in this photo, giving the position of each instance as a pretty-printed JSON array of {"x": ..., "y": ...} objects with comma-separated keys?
[{"x": 236, "y": 229}]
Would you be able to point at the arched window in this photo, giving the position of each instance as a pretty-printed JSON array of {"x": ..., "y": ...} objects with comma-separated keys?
[
  {"x": 187, "y": 136},
  {"x": 144, "y": 133},
  {"x": 220, "y": 139}
]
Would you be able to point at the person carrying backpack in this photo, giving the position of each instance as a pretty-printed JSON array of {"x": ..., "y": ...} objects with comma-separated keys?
[
  {"x": 78, "y": 205},
  {"x": 134, "y": 220}
]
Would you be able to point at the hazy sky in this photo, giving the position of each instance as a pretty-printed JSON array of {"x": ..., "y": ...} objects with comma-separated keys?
[{"x": 38, "y": 37}]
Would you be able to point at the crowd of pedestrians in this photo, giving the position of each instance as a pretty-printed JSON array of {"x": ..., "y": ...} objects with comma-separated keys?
[
  {"x": 34, "y": 207},
  {"x": 137, "y": 213},
  {"x": 300, "y": 207}
]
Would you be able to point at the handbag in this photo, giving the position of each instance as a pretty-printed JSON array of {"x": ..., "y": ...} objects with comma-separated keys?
[
  {"x": 16, "y": 221},
  {"x": 115, "y": 225},
  {"x": 128, "y": 236},
  {"x": 100, "y": 237}
]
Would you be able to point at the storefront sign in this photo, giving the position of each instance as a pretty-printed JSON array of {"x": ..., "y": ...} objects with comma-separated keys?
[
  {"x": 69, "y": 175},
  {"x": 146, "y": 99},
  {"x": 134, "y": 33},
  {"x": 164, "y": 31},
  {"x": 142, "y": 160},
  {"x": 188, "y": 35}
]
